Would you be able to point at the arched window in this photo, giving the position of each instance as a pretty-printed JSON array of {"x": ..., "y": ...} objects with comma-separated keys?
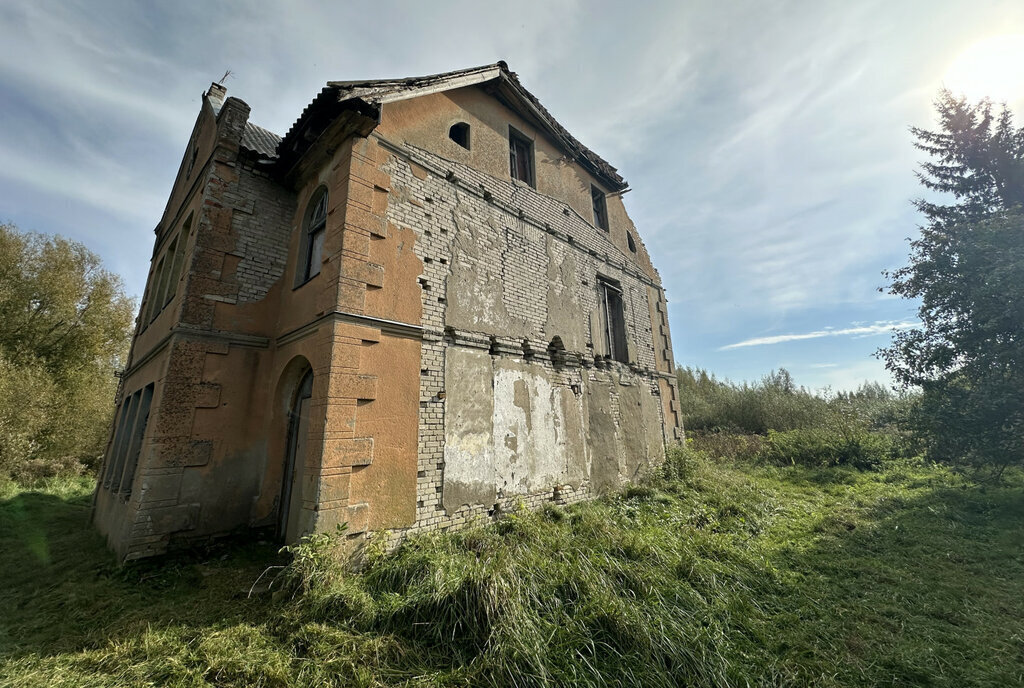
[
  {"x": 556, "y": 350},
  {"x": 459, "y": 133},
  {"x": 315, "y": 228}
]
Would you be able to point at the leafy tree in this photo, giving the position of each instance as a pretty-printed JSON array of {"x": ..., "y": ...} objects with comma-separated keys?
[
  {"x": 967, "y": 268},
  {"x": 66, "y": 326}
]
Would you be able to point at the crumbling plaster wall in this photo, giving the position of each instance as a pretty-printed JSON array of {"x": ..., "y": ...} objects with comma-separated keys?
[
  {"x": 424, "y": 122},
  {"x": 506, "y": 270}
]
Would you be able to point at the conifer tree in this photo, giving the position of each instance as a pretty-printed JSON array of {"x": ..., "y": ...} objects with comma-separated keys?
[{"x": 967, "y": 268}]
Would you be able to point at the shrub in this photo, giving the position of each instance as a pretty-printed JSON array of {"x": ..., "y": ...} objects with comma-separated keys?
[
  {"x": 65, "y": 324},
  {"x": 774, "y": 403},
  {"x": 820, "y": 447},
  {"x": 726, "y": 445}
]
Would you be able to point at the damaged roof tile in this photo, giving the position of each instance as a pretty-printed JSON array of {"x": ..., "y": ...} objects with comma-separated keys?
[{"x": 261, "y": 141}]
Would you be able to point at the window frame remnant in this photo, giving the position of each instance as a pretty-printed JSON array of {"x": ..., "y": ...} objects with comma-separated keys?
[
  {"x": 613, "y": 316},
  {"x": 126, "y": 446},
  {"x": 138, "y": 433},
  {"x": 314, "y": 229},
  {"x": 521, "y": 158},
  {"x": 631, "y": 242},
  {"x": 165, "y": 275},
  {"x": 163, "y": 283},
  {"x": 116, "y": 444},
  {"x": 460, "y": 133},
  {"x": 178, "y": 261},
  {"x": 154, "y": 292},
  {"x": 599, "y": 201}
]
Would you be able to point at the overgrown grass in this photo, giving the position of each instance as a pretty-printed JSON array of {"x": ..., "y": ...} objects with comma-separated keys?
[{"x": 720, "y": 574}]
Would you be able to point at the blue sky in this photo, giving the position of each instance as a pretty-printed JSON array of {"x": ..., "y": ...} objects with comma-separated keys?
[{"x": 766, "y": 142}]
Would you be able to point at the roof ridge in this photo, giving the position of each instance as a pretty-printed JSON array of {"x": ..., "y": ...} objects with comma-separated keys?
[{"x": 416, "y": 79}]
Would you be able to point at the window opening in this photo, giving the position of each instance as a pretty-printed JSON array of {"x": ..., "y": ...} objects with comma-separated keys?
[
  {"x": 520, "y": 157},
  {"x": 556, "y": 350},
  {"x": 154, "y": 292},
  {"x": 192, "y": 162},
  {"x": 629, "y": 240},
  {"x": 459, "y": 133},
  {"x": 165, "y": 277},
  {"x": 614, "y": 317},
  {"x": 600, "y": 207},
  {"x": 117, "y": 440},
  {"x": 121, "y": 449},
  {"x": 316, "y": 226},
  {"x": 138, "y": 432},
  {"x": 179, "y": 259}
]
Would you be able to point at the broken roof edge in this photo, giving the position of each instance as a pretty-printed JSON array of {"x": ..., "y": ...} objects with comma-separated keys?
[
  {"x": 260, "y": 141},
  {"x": 413, "y": 86},
  {"x": 376, "y": 92},
  {"x": 601, "y": 167}
]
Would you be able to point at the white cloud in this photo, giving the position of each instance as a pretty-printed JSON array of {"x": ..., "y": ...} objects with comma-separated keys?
[
  {"x": 847, "y": 377},
  {"x": 857, "y": 331}
]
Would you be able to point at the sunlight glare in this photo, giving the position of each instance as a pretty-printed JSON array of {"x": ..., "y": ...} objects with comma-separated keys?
[{"x": 992, "y": 68}]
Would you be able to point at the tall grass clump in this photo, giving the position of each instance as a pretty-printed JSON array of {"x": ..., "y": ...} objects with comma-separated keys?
[
  {"x": 627, "y": 592},
  {"x": 823, "y": 448}
]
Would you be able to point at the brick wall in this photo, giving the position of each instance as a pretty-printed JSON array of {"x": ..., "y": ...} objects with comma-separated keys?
[
  {"x": 518, "y": 238},
  {"x": 262, "y": 223}
]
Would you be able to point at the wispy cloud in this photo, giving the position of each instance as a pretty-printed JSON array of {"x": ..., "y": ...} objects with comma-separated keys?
[
  {"x": 770, "y": 189},
  {"x": 856, "y": 331}
]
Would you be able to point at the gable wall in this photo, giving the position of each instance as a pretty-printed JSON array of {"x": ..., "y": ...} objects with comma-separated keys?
[{"x": 424, "y": 122}]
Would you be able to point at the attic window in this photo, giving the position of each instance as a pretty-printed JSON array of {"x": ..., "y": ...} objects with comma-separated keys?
[
  {"x": 520, "y": 151},
  {"x": 459, "y": 133},
  {"x": 629, "y": 240},
  {"x": 600, "y": 207}
]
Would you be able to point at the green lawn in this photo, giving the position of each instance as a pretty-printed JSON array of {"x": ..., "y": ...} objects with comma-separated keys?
[{"x": 729, "y": 575}]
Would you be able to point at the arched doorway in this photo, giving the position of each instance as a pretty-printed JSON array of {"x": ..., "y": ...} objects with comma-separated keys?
[{"x": 289, "y": 521}]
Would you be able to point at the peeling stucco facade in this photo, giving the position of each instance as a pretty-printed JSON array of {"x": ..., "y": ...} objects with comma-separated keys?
[{"x": 448, "y": 356}]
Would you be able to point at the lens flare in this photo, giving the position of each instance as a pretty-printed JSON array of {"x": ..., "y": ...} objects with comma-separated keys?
[{"x": 991, "y": 68}]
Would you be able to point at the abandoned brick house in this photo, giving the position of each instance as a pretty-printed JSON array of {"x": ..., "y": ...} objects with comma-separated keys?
[{"x": 423, "y": 304}]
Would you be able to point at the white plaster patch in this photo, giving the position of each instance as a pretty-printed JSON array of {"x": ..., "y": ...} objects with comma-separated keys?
[
  {"x": 529, "y": 454},
  {"x": 468, "y": 455}
]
